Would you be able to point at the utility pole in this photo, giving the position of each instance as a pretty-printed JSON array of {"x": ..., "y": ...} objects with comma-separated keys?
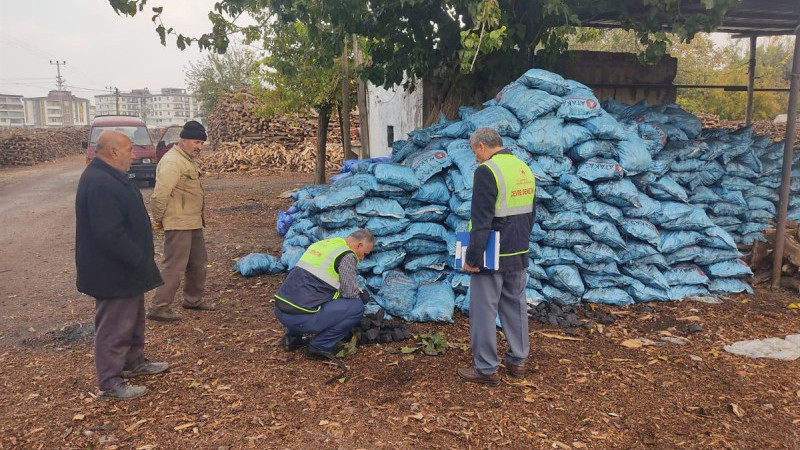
[
  {"x": 59, "y": 79},
  {"x": 115, "y": 91}
]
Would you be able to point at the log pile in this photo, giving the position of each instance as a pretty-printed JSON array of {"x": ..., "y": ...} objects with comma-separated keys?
[
  {"x": 761, "y": 258},
  {"x": 233, "y": 120},
  {"x": 777, "y": 131},
  {"x": 235, "y": 157},
  {"x": 30, "y": 146}
]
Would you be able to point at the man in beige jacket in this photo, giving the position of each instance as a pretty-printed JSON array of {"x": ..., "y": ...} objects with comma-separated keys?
[{"x": 177, "y": 206}]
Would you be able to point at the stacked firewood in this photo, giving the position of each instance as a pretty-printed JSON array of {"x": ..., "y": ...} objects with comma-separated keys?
[
  {"x": 777, "y": 131},
  {"x": 761, "y": 258},
  {"x": 235, "y": 157},
  {"x": 30, "y": 146},
  {"x": 234, "y": 120}
]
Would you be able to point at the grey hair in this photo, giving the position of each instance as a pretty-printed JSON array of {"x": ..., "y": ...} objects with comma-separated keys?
[
  {"x": 362, "y": 235},
  {"x": 486, "y": 136}
]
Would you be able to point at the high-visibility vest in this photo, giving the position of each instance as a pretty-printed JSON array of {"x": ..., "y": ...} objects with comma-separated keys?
[
  {"x": 516, "y": 186},
  {"x": 319, "y": 259}
]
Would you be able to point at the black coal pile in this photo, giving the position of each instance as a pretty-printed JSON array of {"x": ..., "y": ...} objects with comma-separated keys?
[
  {"x": 375, "y": 328},
  {"x": 559, "y": 314}
]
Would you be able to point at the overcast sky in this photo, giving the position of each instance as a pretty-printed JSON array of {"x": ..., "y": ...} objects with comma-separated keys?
[{"x": 100, "y": 48}]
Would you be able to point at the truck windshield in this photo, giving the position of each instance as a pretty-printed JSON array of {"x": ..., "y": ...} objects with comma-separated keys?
[{"x": 137, "y": 135}]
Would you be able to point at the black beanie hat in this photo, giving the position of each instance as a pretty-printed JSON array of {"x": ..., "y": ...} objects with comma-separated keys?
[{"x": 194, "y": 130}]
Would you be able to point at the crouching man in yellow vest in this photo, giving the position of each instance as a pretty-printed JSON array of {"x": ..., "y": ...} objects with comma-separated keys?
[{"x": 320, "y": 295}]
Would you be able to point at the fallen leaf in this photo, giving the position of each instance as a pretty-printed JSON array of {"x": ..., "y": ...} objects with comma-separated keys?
[
  {"x": 561, "y": 337},
  {"x": 135, "y": 425},
  {"x": 793, "y": 306},
  {"x": 633, "y": 343},
  {"x": 78, "y": 417},
  {"x": 393, "y": 363},
  {"x": 324, "y": 422},
  {"x": 184, "y": 426},
  {"x": 621, "y": 359},
  {"x": 739, "y": 412},
  {"x": 689, "y": 319},
  {"x": 579, "y": 445}
]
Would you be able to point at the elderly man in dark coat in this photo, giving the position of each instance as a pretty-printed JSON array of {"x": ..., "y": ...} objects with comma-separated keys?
[{"x": 115, "y": 262}]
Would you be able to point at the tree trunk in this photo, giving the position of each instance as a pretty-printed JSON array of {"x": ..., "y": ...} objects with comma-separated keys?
[
  {"x": 322, "y": 141},
  {"x": 362, "y": 102},
  {"x": 344, "y": 110}
]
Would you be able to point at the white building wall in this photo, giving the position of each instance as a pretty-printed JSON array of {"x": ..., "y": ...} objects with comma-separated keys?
[{"x": 396, "y": 108}]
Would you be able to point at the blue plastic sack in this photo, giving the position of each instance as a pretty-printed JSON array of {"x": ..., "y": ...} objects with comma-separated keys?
[
  {"x": 338, "y": 198},
  {"x": 398, "y": 294},
  {"x": 593, "y": 148},
  {"x": 375, "y": 206},
  {"x": 419, "y": 246},
  {"x": 729, "y": 269},
  {"x": 549, "y": 82},
  {"x": 641, "y": 229},
  {"x": 457, "y": 130},
  {"x": 665, "y": 188},
  {"x": 576, "y": 186},
  {"x": 566, "y": 278},
  {"x": 552, "y": 293},
  {"x": 257, "y": 264},
  {"x": 431, "y": 261},
  {"x": 384, "y": 226},
  {"x": 389, "y": 242},
  {"x": 729, "y": 286},
  {"x": 435, "y": 302},
  {"x": 606, "y": 232},
  {"x": 433, "y": 191},
  {"x": 647, "y": 274},
  {"x": 340, "y": 217},
  {"x": 685, "y": 274},
  {"x": 595, "y": 169},
  {"x": 618, "y": 193},
  {"x": 460, "y": 208},
  {"x": 567, "y": 238},
  {"x": 608, "y": 296},
  {"x": 497, "y": 117},
  {"x": 564, "y": 220},
  {"x": 543, "y": 136},
  {"x": 550, "y": 256},
  {"x": 561, "y": 200},
  {"x": 527, "y": 104},
  {"x": 579, "y": 104},
  {"x": 283, "y": 223},
  {"x": 290, "y": 256},
  {"x": 426, "y": 230},
  {"x": 426, "y": 213},
  {"x": 596, "y": 252},
  {"x": 402, "y": 150},
  {"x": 643, "y": 293},
  {"x": 600, "y": 210},
  {"x": 428, "y": 163},
  {"x": 381, "y": 262},
  {"x": 397, "y": 175},
  {"x": 682, "y": 291},
  {"x": 605, "y": 126},
  {"x": 672, "y": 241},
  {"x": 636, "y": 250},
  {"x": 632, "y": 153}
]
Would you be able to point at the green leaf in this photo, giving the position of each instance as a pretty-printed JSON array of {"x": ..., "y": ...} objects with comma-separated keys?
[{"x": 406, "y": 350}]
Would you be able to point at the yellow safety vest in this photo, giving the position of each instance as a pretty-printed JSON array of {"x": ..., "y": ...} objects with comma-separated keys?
[
  {"x": 320, "y": 257},
  {"x": 516, "y": 186}
]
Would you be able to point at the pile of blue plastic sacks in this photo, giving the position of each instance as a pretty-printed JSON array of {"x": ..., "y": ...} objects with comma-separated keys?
[{"x": 621, "y": 203}]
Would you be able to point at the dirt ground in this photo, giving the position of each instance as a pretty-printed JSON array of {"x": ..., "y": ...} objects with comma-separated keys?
[{"x": 231, "y": 386}]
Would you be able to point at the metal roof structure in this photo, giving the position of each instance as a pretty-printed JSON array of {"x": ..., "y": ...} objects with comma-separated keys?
[{"x": 750, "y": 18}]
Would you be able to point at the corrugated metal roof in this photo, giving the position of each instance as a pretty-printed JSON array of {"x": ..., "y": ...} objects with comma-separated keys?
[{"x": 759, "y": 17}]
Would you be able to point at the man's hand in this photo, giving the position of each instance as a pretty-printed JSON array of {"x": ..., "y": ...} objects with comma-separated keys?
[
  {"x": 467, "y": 268},
  {"x": 364, "y": 296},
  {"x": 157, "y": 226}
]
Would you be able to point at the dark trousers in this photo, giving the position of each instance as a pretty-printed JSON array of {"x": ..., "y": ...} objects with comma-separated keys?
[
  {"x": 184, "y": 254},
  {"x": 330, "y": 324},
  {"x": 119, "y": 338}
]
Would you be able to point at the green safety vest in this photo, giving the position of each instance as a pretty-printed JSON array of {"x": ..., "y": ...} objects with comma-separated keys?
[
  {"x": 516, "y": 185},
  {"x": 320, "y": 257}
]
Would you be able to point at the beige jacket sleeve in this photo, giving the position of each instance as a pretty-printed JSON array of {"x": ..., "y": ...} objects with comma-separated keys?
[{"x": 168, "y": 174}]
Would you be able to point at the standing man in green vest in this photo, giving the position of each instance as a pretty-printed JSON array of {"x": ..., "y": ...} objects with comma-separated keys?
[
  {"x": 503, "y": 197},
  {"x": 320, "y": 295}
]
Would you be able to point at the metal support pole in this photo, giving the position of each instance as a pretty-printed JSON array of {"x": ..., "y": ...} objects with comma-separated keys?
[
  {"x": 751, "y": 79},
  {"x": 786, "y": 172}
]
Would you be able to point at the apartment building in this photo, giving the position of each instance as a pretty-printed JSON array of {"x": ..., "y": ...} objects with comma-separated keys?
[
  {"x": 58, "y": 109},
  {"x": 12, "y": 111},
  {"x": 172, "y": 106}
]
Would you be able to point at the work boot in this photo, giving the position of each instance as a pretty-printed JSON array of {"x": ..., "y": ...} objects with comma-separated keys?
[
  {"x": 205, "y": 305},
  {"x": 316, "y": 353},
  {"x": 292, "y": 343},
  {"x": 162, "y": 314},
  {"x": 123, "y": 391},
  {"x": 146, "y": 368},
  {"x": 515, "y": 370},
  {"x": 469, "y": 374}
]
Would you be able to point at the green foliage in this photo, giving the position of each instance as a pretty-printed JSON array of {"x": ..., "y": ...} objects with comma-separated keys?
[
  {"x": 434, "y": 343},
  {"x": 347, "y": 348},
  {"x": 213, "y": 76},
  {"x": 407, "y": 40}
]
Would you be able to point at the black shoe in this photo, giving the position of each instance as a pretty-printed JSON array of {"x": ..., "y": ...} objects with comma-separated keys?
[
  {"x": 292, "y": 343},
  {"x": 315, "y": 353}
]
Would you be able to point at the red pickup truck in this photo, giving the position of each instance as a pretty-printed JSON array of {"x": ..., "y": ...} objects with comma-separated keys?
[{"x": 143, "y": 166}]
